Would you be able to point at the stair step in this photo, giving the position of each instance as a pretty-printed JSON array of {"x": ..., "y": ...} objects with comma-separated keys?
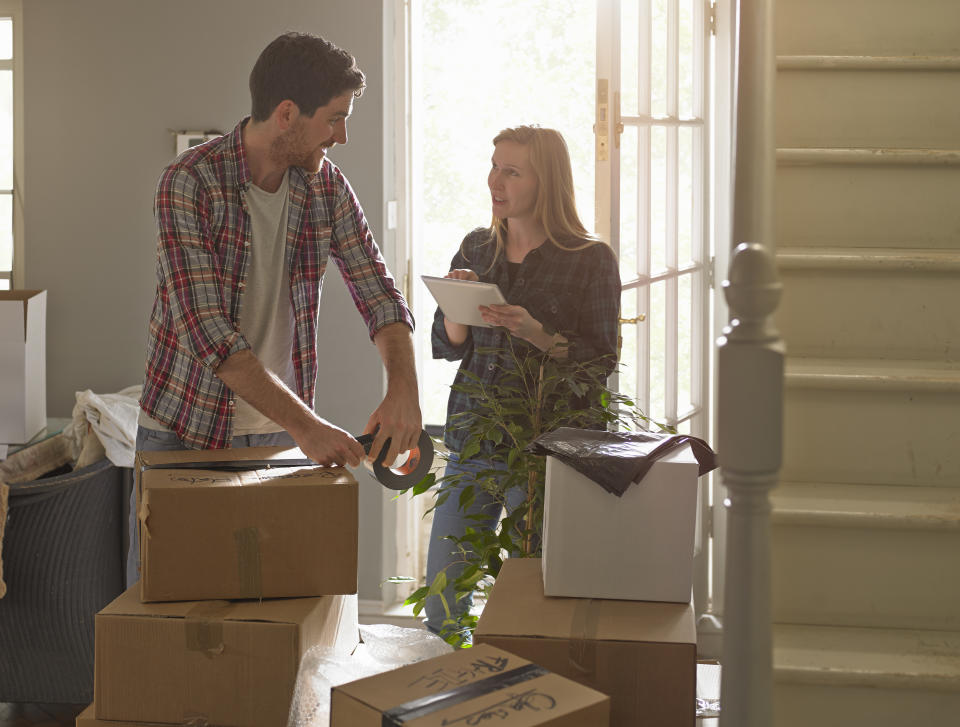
[
  {"x": 868, "y": 63},
  {"x": 896, "y": 305},
  {"x": 868, "y": 197},
  {"x": 870, "y": 104},
  {"x": 865, "y": 555},
  {"x": 849, "y": 677},
  {"x": 872, "y": 375},
  {"x": 872, "y": 422},
  {"x": 868, "y": 259},
  {"x": 867, "y": 27},
  {"x": 820, "y": 504},
  {"x": 887, "y": 658}
]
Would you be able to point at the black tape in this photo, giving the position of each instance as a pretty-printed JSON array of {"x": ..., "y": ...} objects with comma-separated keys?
[
  {"x": 417, "y": 708},
  {"x": 412, "y": 472}
]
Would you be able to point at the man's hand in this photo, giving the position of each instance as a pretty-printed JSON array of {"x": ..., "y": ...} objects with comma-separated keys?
[
  {"x": 320, "y": 440},
  {"x": 327, "y": 444},
  {"x": 398, "y": 416}
]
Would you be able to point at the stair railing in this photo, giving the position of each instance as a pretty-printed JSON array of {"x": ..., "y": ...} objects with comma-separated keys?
[{"x": 750, "y": 361}]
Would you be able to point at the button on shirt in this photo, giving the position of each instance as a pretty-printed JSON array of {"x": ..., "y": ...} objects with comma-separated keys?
[
  {"x": 573, "y": 292},
  {"x": 203, "y": 250}
]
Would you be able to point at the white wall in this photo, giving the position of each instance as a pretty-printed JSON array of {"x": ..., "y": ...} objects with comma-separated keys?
[{"x": 105, "y": 82}]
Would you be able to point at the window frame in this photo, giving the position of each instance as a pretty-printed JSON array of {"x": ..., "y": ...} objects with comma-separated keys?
[
  {"x": 13, "y": 9},
  {"x": 401, "y": 515}
]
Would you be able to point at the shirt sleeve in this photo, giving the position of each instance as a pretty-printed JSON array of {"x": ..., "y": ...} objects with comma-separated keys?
[
  {"x": 188, "y": 271},
  {"x": 597, "y": 323},
  {"x": 439, "y": 341},
  {"x": 361, "y": 265}
]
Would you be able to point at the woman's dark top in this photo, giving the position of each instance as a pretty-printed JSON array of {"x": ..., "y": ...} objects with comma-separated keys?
[{"x": 573, "y": 292}]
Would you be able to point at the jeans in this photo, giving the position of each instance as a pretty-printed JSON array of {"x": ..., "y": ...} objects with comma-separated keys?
[
  {"x": 448, "y": 519},
  {"x": 150, "y": 440}
]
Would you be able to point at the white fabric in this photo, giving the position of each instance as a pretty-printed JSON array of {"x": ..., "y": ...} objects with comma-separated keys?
[{"x": 113, "y": 418}]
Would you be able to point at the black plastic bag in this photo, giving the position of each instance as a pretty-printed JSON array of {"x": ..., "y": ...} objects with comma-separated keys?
[{"x": 614, "y": 460}]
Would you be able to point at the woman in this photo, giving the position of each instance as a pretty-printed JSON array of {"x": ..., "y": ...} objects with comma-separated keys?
[{"x": 562, "y": 287}]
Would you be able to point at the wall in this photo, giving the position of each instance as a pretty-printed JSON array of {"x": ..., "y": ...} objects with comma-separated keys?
[{"x": 105, "y": 82}]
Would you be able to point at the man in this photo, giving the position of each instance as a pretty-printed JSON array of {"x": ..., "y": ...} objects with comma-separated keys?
[{"x": 246, "y": 225}]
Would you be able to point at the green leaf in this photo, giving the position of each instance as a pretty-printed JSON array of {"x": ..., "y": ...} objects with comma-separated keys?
[
  {"x": 425, "y": 484},
  {"x": 439, "y": 584},
  {"x": 417, "y": 595},
  {"x": 400, "y": 579}
]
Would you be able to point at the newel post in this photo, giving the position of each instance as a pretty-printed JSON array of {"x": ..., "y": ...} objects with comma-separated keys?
[{"x": 749, "y": 435}]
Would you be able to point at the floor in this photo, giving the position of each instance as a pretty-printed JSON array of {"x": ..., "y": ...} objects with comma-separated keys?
[{"x": 39, "y": 715}]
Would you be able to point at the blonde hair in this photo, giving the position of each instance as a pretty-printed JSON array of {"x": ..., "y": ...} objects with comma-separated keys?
[{"x": 555, "y": 208}]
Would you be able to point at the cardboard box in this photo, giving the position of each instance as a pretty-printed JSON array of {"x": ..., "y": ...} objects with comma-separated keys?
[
  {"x": 468, "y": 687},
  {"x": 88, "y": 718},
  {"x": 643, "y": 654},
  {"x": 266, "y": 531},
  {"x": 23, "y": 364},
  {"x": 217, "y": 662},
  {"x": 592, "y": 538}
]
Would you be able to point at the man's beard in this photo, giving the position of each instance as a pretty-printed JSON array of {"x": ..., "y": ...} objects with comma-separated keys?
[{"x": 289, "y": 150}]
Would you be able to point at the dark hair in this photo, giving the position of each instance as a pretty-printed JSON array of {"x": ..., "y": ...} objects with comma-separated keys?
[{"x": 306, "y": 69}]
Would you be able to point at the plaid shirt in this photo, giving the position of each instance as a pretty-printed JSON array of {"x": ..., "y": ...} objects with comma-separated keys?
[
  {"x": 203, "y": 251},
  {"x": 574, "y": 292}
]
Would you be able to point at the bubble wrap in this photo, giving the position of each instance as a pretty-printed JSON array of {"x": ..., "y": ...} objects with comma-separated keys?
[{"x": 385, "y": 647}]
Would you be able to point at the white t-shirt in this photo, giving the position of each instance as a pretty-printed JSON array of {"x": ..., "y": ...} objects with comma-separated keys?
[{"x": 266, "y": 314}]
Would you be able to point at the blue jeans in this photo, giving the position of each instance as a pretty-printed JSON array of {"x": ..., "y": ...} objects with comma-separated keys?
[
  {"x": 150, "y": 440},
  {"x": 449, "y": 520}
]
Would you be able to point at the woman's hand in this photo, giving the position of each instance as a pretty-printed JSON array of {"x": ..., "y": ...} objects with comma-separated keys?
[
  {"x": 517, "y": 320},
  {"x": 462, "y": 274},
  {"x": 457, "y": 332}
]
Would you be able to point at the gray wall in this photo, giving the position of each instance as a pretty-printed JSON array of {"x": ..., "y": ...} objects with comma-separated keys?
[{"x": 105, "y": 81}]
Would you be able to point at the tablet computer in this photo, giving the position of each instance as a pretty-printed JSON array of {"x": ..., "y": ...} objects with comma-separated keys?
[{"x": 459, "y": 299}]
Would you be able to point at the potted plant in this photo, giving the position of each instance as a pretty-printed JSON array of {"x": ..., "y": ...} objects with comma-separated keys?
[{"x": 537, "y": 393}]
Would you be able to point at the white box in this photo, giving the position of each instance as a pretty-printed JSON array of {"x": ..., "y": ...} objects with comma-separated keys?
[
  {"x": 637, "y": 547},
  {"x": 23, "y": 364}
]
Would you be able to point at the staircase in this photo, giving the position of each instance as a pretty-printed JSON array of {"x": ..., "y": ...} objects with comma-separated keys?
[{"x": 866, "y": 520}]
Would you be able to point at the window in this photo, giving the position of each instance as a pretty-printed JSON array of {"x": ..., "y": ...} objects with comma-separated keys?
[
  {"x": 653, "y": 204},
  {"x": 11, "y": 145}
]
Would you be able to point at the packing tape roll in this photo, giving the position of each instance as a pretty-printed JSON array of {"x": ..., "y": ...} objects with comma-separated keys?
[{"x": 407, "y": 470}]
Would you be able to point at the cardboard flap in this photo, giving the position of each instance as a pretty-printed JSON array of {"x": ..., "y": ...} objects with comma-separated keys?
[
  {"x": 281, "y": 610},
  {"x": 241, "y": 465},
  {"x": 518, "y": 607},
  {"x": 440, "y": 674},
  {"x": 20, "y": 310}
]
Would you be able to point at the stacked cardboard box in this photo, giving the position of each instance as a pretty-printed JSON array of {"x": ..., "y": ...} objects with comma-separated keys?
[
  {"x": 246, "y": 563},
  {"x": 610, "y": 604}
]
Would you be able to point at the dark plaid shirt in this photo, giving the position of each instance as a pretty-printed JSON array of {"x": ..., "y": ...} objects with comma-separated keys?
[
  {"x": 574, "y": 292},
  {"x": 203, "y": 250}
]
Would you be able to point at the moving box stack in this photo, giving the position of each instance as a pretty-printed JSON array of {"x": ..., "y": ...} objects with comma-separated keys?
[
  {"x": 245, "y": 564},
  {"x": 610, "y": 603}
]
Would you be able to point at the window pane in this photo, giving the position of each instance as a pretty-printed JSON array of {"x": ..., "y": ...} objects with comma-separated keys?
[
  {"x": 629, "y": 56},
  {"x": 6, "y": 130},
  {"x": 658, "y": 359},
  {"x": 658, "y": 199},
  {"x": 658, "y": 61},
  {"x": 6, "y": 232},
  {"x": 6, "y": 38},
  {"x": 685, "y": 209},
  {"x": 476, "y": 74},
  {"x": 684, "y": 343},
  {"x": 686, "y": 59},
  {"x": 629, "y": 200}
]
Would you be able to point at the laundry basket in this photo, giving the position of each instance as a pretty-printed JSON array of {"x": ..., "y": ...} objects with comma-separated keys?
[{"x": 62, "y": 554}]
